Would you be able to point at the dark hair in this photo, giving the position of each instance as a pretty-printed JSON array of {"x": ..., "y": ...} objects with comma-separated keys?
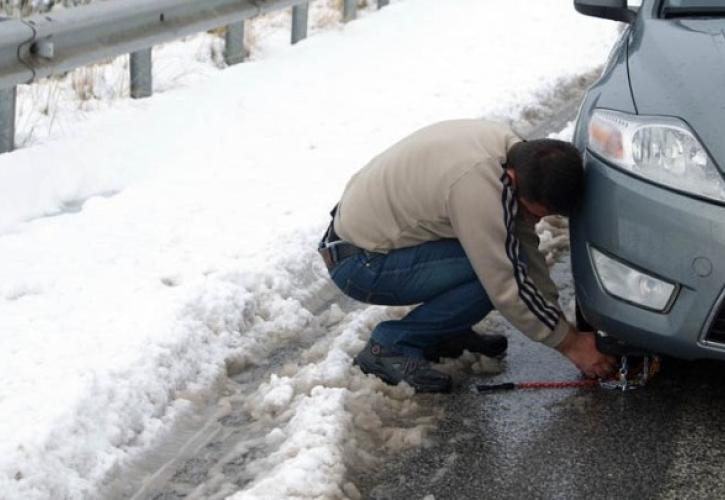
[{"x": 549, "y": 172}]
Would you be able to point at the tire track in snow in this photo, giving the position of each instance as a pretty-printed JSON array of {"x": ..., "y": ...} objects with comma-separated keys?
[{"x": 289, "y": 404}]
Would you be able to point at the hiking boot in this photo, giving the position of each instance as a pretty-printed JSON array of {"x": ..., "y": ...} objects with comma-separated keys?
[
  {"x": 492, "y": 345},
  {"x": 393, "y": 368}
]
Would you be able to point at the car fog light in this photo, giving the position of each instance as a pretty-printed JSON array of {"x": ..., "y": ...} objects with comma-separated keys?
[{"x": 631, "y": 285}]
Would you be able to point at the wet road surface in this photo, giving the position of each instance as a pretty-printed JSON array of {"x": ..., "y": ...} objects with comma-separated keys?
[{"x": 666, "y": 440}]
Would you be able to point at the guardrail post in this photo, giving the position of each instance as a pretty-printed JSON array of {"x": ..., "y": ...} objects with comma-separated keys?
[
  {"x": 299, "y": 21},
  {"x": 382, "y": 3},
  {"x": 7, "y": 119},
  {"x": 234, "y": 43},
  {"x": 141, "y": 80},
  {"x": 349, "y": 10}
]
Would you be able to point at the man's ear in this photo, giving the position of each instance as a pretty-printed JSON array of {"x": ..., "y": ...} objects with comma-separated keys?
[{"x": 512, "y": 175}]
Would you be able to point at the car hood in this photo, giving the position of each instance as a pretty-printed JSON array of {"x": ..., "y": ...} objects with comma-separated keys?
[{"x": 677, "y": 68}]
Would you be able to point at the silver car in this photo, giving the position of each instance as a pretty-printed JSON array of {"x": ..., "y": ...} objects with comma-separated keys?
[{"x": 648, "y": 246}]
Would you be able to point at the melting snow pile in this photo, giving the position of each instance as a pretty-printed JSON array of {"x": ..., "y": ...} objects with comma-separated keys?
[{"x": 183, "y": 237}]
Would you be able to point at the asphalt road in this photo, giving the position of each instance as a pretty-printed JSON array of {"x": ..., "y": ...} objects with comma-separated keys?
[{"x": 666, "y": 440}]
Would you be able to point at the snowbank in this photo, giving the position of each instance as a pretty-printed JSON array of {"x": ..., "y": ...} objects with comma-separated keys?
[{"x": 185, "y": 231}]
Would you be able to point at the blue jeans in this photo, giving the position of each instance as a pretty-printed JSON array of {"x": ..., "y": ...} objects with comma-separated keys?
[{"x": 436, "y": 274}]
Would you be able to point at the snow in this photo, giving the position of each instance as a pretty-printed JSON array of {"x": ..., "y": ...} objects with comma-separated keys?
[
  {"x": 182, "y": 241},
  {"x": 554, "y": 231}
]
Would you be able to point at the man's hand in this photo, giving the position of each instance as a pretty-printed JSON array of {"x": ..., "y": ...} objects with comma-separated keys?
[{"x": 581, "y": 350}]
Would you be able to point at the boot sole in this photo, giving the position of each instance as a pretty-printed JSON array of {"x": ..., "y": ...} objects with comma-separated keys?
[{"x": 368, "y": 370}]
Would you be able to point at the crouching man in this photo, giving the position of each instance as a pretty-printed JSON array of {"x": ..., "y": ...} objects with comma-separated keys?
[{"x": 445, "y": 219}]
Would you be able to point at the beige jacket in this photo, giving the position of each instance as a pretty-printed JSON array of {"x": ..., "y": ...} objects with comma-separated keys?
[{"x": 447, "y": 181}]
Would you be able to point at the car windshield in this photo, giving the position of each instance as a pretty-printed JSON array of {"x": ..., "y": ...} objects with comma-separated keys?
[{"x": 704, "y": 8}]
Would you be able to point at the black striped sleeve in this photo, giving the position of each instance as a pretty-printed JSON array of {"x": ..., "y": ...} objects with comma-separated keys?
[{"x": 529, "y": 294}]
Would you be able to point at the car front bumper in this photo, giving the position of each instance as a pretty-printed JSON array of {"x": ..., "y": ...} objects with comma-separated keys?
[{"x": 674, "y": 237}]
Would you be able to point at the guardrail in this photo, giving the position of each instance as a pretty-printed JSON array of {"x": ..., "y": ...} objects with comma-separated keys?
[{"x": 51, "y": 44}]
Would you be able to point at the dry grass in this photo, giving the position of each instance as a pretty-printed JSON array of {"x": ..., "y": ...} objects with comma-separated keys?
[
  {"x": 89, "y": 87},
  {"x": 323, "y": 14},
  {"x": 83, "y": 82}
]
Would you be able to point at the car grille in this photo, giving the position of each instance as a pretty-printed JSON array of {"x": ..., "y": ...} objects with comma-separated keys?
[{"x": 717, "y": 329}]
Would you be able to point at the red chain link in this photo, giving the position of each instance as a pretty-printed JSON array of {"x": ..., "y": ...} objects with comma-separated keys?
[{"x": 557, "y": 385}]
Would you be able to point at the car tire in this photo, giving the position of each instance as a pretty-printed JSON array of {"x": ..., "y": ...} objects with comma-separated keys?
[{"x": 581, "y": 324}]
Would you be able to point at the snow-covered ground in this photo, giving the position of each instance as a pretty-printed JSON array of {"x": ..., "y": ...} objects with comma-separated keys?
[{"x": 183, "y": 232}]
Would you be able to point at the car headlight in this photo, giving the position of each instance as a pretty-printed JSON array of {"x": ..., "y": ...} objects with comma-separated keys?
[
  {"x": 661, "y": 149},
  {"x": 627, "y": 283}
]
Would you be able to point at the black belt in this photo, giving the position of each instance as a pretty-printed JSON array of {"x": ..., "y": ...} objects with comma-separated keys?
[
  {"x": 337, "y": 253},
  {"x": 332, "y": 248}
]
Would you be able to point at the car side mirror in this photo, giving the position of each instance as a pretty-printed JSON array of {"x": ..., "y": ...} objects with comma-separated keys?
[{"x": 607, "y": 9}]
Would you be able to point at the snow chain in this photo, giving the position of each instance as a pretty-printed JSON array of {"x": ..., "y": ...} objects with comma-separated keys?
[{"x": 633, "y": 373}]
